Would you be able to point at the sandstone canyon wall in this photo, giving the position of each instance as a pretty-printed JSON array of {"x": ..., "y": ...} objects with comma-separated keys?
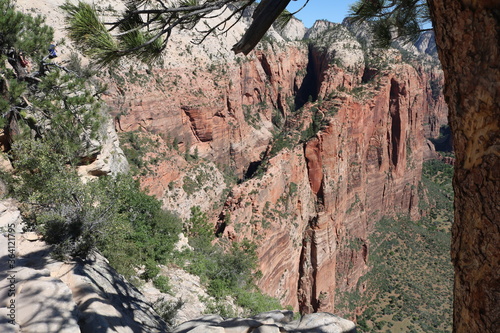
[{"x": 308, "y": 201}]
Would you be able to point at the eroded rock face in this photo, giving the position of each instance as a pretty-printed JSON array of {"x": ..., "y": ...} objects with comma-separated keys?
[
  {"x": 294, "y": 30},
  {"x": 427, "y": 43},
  {"x": 44, "y": 303},
  {"x": 109, "y": 159},
  {"x": 312, "y": 210},
  {"x": 186, "y": 288},
  {"x": 314, "y": 207},
  {"x": 224, "y": 110},
  {"x": 274, "y": 211}
]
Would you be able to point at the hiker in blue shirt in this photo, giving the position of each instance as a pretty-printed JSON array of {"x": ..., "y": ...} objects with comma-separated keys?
[{"x": 52, "y": 50}]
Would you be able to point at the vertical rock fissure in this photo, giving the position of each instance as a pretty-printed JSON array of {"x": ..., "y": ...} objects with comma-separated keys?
[
  {"x": 252, "y": 169},
  {"x": 308, "y": 269},
  {"x": 314, "y": 162},
  {"x": 314, "y": 263},
  {"x": 302, "y": 295},
  {"x": 201, "y": 129},
  {"x": 310, "y": 85},
  {"x": 396, "y": 122},
  {"x": 265, "y": 65}
]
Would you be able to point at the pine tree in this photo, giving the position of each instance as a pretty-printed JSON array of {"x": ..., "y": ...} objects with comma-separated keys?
[
  {"x": 50, "y": 119},
  {"x": 392, "y": 19},
  {"x": 467, "y": 38},
  {"x": 21, "y": 33},
  {"x": 51, "y": 104}
]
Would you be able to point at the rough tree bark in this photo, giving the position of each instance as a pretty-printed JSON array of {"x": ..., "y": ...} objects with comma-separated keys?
[
  {"x": 468, "y": 39},
  {"x": 15, "y": 62}
]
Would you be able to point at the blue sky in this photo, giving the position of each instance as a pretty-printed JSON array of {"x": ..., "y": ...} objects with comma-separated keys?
[{"x": 331, "y": 10}]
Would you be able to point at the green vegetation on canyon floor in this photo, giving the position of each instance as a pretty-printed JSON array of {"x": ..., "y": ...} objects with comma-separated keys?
[{"x": 409, "y": 286}]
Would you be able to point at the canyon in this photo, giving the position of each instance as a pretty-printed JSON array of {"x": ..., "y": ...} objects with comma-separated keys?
[
  {"x": 305, "y": 142},
  {"x": 324, "y": 136}
]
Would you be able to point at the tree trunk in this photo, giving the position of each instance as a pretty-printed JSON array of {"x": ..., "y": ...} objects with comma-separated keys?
[
  {"x": 468, "y": 39},
  {"x": 15, "y": 62}
]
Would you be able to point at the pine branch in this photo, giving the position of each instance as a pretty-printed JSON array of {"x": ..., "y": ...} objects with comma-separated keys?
[
  {"x": 392, "y": 20},
  {"x": 263, "y": 17},
  {"x": 238, "y": 11}
]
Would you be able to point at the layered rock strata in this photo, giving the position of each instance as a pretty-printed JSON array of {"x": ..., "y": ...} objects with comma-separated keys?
[
  {"x": 313, "y": 208},
  {"x": 312, "y": 212}
]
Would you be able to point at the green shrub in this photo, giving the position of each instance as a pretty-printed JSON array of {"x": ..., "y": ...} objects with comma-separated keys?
[
  {"x": 151, "y": 269},
  {"x": 111, "y": 213},
  {"x": 73, "y": 230},
  {"x": 167, "y": 310},
  {"x": 56, "y": 202},
  {"x": 256, "y": 302},
  {"x": 219, "y": 307},
  {"x": 162, "y": 283},
  {"x": 141, "y": 228},
  {"x": 318, "y": 122}
]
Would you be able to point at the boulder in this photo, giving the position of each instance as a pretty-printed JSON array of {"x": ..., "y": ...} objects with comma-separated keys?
[
  {"x": 239, "y": 325},
  {"x": 267, "y": 329},
  {"x": 207, "y": 329},
  {"x": 106, "y": 301},
  {"x": 275, "y": 317},
  {"x": 203, "y": 321},
  {"x": 269, "y": 322},
  {"x": 324, "y": 322},
  {"x": 31, "y": 236}
]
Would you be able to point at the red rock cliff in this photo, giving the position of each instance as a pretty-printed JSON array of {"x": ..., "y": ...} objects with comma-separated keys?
[
  {"x": 312, "y": 208},
  {"x": 312, "y": 212}
]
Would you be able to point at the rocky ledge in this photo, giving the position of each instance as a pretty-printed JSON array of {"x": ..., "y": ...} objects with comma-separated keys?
[{"x": 269, "y": 322}]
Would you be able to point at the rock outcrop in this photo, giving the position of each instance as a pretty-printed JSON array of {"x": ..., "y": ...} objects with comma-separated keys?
[
  {"x": 187, "y": 290},
  {"x": 269, "y": 322},
  {"x": 109, "y": 158},
  {"x": 226, "y": 113},
  {"x": 39, "y": 294},
  {"x": 311, "y": 213},
  {"x": 294, "y": 29},
  {"x": 426, "y": 44}
]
